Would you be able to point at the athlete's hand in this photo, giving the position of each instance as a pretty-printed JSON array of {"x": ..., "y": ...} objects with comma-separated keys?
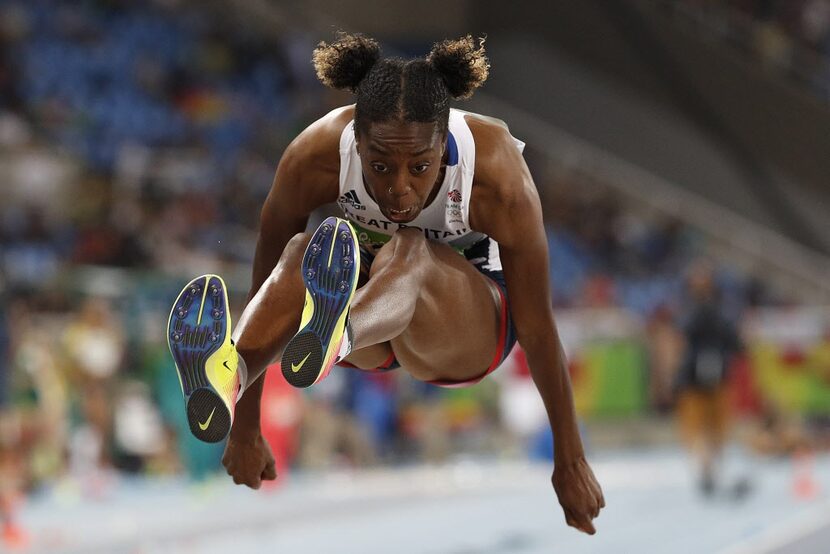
[
  {"x": 248, "y": 459},
  {"x": 579, "y": 494}
]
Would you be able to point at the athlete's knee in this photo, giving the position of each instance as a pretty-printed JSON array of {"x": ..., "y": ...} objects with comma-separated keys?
[
  {"x": 405, "y": 244},
  {"x": 296, "y": 244},
  {"x": 292, "y": 254},
  {"x": 408, "y": 236}
]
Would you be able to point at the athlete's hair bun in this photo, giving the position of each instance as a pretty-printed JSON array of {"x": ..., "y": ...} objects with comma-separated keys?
[
  {"x": 463, "y": 67},
  {"x": 346, "y": 61}
]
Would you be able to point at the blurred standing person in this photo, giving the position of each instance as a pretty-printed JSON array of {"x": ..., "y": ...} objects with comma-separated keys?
[
  {"x": 11, "y": 470},
  {"x": 702, "y": 385},
  {"x": 33, "y": 418},
  {"x": 40, "y": 396},
  {"x": 665, "y": 350},
  {"x": 95, "y": 346}
]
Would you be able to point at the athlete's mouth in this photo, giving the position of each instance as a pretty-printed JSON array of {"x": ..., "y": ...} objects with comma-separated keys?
[{"x": 401, "y": 216}]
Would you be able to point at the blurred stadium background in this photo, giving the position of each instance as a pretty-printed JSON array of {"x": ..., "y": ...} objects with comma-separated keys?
[{"x": 667, "y": 137}]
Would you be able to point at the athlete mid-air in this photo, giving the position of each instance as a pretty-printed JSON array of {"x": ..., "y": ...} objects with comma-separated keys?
[{"x": 442, "y": 238}]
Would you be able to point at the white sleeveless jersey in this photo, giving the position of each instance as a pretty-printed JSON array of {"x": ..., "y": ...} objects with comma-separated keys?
[{"x": 446, "y": 219}]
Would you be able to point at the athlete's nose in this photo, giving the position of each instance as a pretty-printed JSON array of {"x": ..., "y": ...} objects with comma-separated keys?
[{"x": 400, "y": 187}]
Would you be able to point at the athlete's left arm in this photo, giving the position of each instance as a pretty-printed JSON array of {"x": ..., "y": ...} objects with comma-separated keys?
[{"x": 505, "y": 205}]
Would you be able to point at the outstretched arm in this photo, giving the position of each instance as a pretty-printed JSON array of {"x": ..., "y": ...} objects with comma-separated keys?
[
  {"x": 306, "y": 178},
  {"x": 507, "y": 208}
]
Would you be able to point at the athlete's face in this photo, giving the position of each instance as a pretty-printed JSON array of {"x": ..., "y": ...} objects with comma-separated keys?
[{"x": 401, "y": 164}]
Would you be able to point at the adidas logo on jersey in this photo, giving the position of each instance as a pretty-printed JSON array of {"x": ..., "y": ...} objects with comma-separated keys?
[{"x": 352, "y": 199}]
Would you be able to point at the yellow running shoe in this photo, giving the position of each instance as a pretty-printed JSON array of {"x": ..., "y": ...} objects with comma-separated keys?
[
  {"x": 199, "y": 338},
  {"x": 331, "y": 266}
]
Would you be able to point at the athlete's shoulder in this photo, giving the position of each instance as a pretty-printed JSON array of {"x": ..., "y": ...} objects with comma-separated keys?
[
  {"x": 331, "y": 125},
  {"x": 320, "y": 142},
  {"x": 493, "y": 142},
  {"x": 498, "y": 160}
]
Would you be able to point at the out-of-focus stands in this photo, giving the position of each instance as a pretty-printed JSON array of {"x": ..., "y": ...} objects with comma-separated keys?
[{"x": 791, "y": 36}]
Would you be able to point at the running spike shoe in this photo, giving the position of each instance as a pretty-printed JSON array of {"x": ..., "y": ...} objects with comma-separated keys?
[
  {"x": 199, "y": 338},
  {"x": 331, "y": 266}
]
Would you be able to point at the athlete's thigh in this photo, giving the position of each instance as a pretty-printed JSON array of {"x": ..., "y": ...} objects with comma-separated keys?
[
  {"x": 454, "y": 331},
  {"x": 374, "y": 356}
]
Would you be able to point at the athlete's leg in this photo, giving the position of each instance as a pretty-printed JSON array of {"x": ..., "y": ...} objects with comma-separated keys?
[
  {"x": 438, "y": 312},
  {"x": 273, "y": 314},
  {"x": 440, "y": 315},
  {"x": 207, "y": 361},
  {"x": 373, "y": 356}
]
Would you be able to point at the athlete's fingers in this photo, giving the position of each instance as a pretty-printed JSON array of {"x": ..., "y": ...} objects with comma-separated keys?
[
  {"x": 579, "y": 522},
  {"x": 588, "y": 527},
  {"x": 569, "y": 518},
  {"x": 595, "y": 508},
  {"x": 270, "y": 472},
  {"x": 251, "y": 481},
  {"x": 584, "y": 524},
  {"x": 570, "y": 522}
]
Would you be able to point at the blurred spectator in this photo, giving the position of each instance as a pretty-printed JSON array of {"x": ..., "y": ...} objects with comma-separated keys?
[
  {"x": 665, "y": 347},
  {"x": 33, "y": 420},
  {"x": 424, "y": 422},
  {"x": 330, "y": 434},
  {"x": 703, "y": 403},
  {"x": 11, "y": 460},
  {"x": 282, "y": 409},
  {"x": 779, "y": 434},
  {"x": 94, "y": 342},
  {"x": 31, "y": 254},
  {"x": 815, "y": 24},
  {"x": 521, "y": 410},
  {"x": 41, "y": 395},
  {"x": 12, "y": 484}
]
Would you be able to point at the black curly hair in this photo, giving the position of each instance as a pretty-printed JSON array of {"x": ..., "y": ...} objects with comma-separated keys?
[{"x": 409, "y": 90}]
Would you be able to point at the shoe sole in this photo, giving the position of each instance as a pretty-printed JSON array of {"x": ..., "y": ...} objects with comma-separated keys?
[
  {"x": 198, "y": 327},
  {"x": 331, "y": 265}
]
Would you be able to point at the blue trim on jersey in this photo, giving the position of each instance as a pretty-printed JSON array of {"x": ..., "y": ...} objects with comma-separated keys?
[{"x": 452, "y": 150}]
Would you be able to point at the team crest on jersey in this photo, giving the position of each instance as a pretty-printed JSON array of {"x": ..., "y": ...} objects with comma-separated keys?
[
  {"x": 351, "y": 199},
  {"x": 454, "y": 206}
]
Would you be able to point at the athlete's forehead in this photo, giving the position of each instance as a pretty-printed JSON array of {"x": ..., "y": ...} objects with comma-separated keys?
[{"x": 401, "y": 137}]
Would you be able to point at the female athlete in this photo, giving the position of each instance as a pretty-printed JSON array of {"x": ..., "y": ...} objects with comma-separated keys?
[{"x": 438, "y": 266}]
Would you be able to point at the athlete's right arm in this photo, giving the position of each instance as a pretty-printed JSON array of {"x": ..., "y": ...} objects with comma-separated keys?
[{"x": 306, "y": 178}]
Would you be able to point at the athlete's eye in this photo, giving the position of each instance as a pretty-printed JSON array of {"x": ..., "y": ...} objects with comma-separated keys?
[
  {"x": 379, "y": 167},
  {"x": 420, "y": 168}
]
